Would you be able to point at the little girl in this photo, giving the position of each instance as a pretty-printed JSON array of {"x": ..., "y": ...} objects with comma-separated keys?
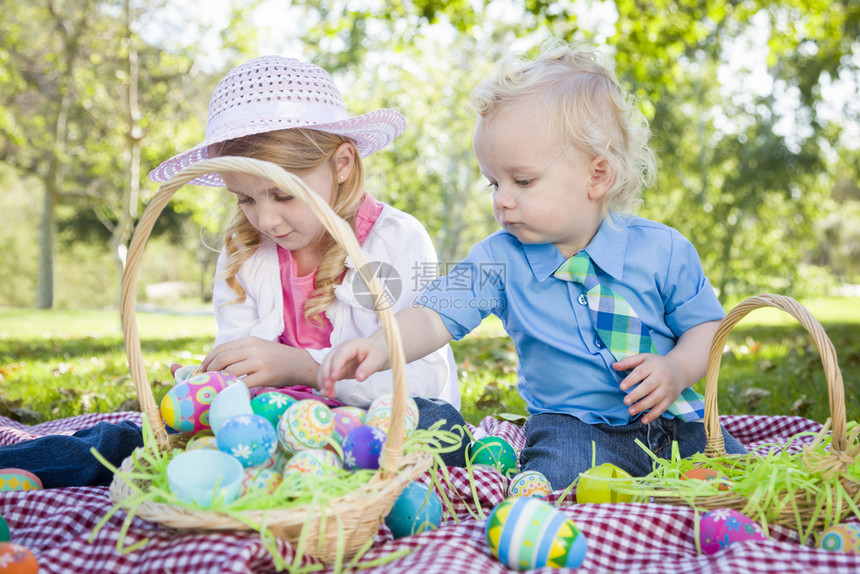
[{"x": 285, "y": 292}]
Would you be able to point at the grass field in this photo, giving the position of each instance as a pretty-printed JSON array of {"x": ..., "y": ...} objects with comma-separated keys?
[{"x": 55, "y": 364}]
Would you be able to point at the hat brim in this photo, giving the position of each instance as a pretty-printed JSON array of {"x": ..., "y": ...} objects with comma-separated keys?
[{"x": 371, "y": 132}]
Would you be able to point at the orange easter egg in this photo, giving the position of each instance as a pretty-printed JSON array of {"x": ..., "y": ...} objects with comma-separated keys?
[
  {"x": 16, "y": 559},
  {"x": 707, "y": 474}
]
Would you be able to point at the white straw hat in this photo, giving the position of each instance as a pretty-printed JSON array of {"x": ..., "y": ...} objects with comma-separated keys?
[{"x": 274, "y": 93}]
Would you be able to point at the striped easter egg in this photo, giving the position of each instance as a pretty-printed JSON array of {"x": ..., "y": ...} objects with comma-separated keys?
[{"x": 527, "y": 533}]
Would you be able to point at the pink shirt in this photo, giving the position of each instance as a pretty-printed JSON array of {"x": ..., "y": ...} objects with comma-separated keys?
[{"x": 298, "y": 332}]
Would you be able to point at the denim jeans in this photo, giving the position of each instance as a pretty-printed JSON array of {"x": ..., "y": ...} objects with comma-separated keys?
[
  {"x": 560, "y": 446},
  {"x": 66, "y": 460}
]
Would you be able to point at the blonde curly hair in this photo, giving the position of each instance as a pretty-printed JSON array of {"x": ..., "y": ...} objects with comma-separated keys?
[
  {"x": 583, "y": 96},
  {"x": 295, "y": 150}
]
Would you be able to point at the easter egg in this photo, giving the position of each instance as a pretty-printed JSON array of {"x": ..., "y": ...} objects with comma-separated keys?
[
  {"x": 841, "y": 538},
  {"x": 346, "y": 419},
  {"x": 16, "y": 559},
  {"x": 595, "y": 485},
  {"x": 495, "y": 452},
  {"x": 259, "y": 479},
  {"x": 527, "y": 533},
  {"x": 230, "y": 402},
  {"x": 707, "y": 474},
  {"x": 306, "y": 424},
  {"x": 276, "y": 462},
  {"x": 315, "y": 462},
  {"x": 379, "y": 414},
  {"x": 416, "y": 509},
  {"x": 529, "y": 483},
  {"x": 182, "y": 374},
  {"x": 185, "y": 407},
  {"x": 362, "y": 447},
  {"x": 249, "y": 438},
  {"x": 18, "y": 479},
  {"x": 5, "y": 535},
  {"x": 272, "y": 405},
  {"x": 201, "y": 440},
  {"x": 721, "y": 527}
]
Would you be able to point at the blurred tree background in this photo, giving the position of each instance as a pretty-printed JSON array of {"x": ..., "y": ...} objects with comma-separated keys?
[{"x": 754, "y": 106}]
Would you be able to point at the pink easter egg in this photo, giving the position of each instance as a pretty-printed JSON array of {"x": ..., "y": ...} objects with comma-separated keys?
[
  {"x": 722, "y": 527},
  {"x": 185, "y": 407},
  {"x": 346, "y": 419}
]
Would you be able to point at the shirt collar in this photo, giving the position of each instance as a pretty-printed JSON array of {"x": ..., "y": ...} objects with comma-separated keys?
[{"x": 606, "y": 249}]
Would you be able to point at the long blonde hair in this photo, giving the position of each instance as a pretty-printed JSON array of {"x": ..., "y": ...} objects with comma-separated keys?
[
  {"x": 585, "y": 99},
  {"x": 295, "y": 150}
]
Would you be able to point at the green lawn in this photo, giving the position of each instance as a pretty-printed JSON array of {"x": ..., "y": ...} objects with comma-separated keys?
[{"x": 64, "y": 363}]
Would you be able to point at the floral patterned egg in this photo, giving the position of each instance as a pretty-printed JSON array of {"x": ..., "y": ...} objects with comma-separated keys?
[
  {"x": 346, "y": 419},
  {"x": 843, "y": 537},
  {"x": 185, "y": 407},
  {"x": 260, "y": 479},
  {"x": 249, "y": 438},
  {"x": 272, "y": 405},
  {"x": 379, "y": 414},
  {"x": 316, "y": 462},
  {"x": 721, "y": 527},
  {"x": 529, "y": 483},
  {"x": 527, "y": 533},
  {"x": 306, "y": 424},
  {"x": 17, "y": 559},
  {"x": 362, "y": 447}
]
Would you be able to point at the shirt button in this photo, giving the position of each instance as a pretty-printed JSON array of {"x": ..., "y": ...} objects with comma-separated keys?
[
  {"x": 598, "y": 343},
  {"x": 583, "y": 300}
]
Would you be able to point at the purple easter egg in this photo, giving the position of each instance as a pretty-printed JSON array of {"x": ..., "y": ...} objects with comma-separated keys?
[{"x": 362, "y": 447}]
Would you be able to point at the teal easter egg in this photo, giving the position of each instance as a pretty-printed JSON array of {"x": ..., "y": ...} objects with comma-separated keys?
[
  {"x": 529, "y": 483},
  {"x": 272, "y": 405},
  {"x": 185, "y": 407},
  {"x": 306, "y": 424},
  {"x": 379, "y": 414},
  {"x": 495, "y": 452},
  {"x": 5, "y": 535},
  {"x": 723, "y": 526},
  {"x": 841, "y": 538},
  {"x": 416, "y": 509},
  {"x": 18, "y": 479},
  {"x": 527, "y": 533}
]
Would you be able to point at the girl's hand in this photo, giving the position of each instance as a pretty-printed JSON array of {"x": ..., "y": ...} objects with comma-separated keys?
[
  {"x": 352, "y": 359},
  {"x": 659, "y": 379},
  {"x": 262, "y": 363}
]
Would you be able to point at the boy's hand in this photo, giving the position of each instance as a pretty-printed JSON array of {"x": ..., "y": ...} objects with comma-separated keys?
[
  {"x": 659, "y": 379},
  {"x": 352, "y": 359}
]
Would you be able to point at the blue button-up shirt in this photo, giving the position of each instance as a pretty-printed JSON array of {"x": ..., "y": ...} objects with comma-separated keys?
[{"x": 563, "y": 365}]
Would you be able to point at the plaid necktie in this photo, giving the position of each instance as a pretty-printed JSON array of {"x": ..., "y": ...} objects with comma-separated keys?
[{"x": 620, "y": 328}]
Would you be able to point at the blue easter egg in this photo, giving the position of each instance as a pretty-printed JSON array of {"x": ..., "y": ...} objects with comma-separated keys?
[
  {"x": 250, "y": 438},
  {"x": 362, "y": 447},
  {"x": 418, "y": 508}
]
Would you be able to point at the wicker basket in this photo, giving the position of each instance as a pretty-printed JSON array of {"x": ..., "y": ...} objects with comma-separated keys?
[
  {"x": 842, "y": 452},
  {"x": 349, "y": 521}
]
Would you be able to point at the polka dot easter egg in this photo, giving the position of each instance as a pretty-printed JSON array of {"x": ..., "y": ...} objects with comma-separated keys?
[
  {"x": 379, "y": 414},
  {"x": 362, "y": 447},
  {"x": 185, "y": 407},
  {"x": 306, "y": 424},
  {"x": 260, "y": 479},
  {"x": 724, "y": 526},
  {"x": 314, "y": 462},
  {"x": 495, "y": 452},
  {"x": 272, "y": 405},
  {"x": 249, "y": 438},
  {"x": 843, "y": 537},
  {"x": 595, "y": 485},
  {"x": 17, "y": 559},
  {"x": 416, "y": 509},
  {"x": 345, "y": 420},
  {"x": 529, "y": 483},
  {"x": 527, "y": 533}
]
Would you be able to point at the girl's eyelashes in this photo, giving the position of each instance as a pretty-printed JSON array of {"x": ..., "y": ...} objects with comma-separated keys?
[
  {"x": 243, "y": 199},
  {"x": 283, "y": 198},
  {"x": 493, "y": 185},
  {"x": 523, "y": 182}
]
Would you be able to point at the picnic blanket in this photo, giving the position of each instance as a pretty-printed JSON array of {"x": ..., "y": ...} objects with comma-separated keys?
[{"x": 56, "y": 526}]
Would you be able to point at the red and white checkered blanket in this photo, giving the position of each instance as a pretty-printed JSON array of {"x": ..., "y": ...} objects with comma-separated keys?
[{"x": 56, "y": 526}]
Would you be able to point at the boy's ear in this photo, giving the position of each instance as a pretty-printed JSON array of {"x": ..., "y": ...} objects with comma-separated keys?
[
  {"x": 600, "y": 177},
  {"x": 344, "y": 160}
]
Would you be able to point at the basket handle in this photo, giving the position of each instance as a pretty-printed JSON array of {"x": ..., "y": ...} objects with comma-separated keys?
[
  {"x": 335, "y": 225},
  {"x": 716, "y": 445}
]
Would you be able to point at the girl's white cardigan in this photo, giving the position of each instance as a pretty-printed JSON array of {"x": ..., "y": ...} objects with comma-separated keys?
[{"x": 397, "y": 239}]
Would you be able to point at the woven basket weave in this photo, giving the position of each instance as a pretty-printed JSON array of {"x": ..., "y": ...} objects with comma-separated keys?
[
  {"x": 843, "y": 450},
  {"x": 347, "y": 522}
]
